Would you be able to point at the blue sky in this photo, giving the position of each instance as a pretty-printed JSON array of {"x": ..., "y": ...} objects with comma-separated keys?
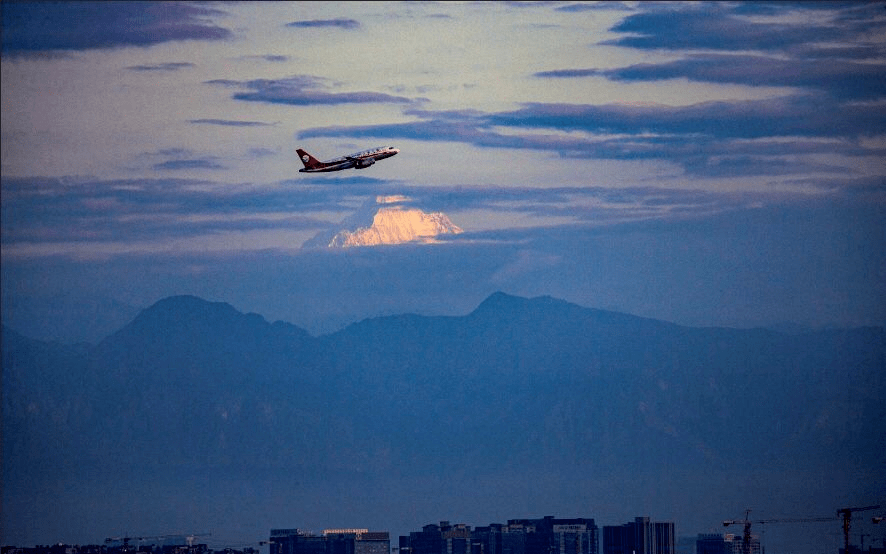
[{"x": 705, "y": 163}]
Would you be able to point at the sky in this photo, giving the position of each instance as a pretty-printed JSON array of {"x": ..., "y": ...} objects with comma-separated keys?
[
  {"x": 703, "y": 163},
  {"x": 709, "y": 164}
]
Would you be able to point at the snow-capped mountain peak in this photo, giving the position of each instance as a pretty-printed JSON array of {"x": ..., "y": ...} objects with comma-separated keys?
[
  {"x": 396, "y": 225},
  {"x": 392, "y": 219}
]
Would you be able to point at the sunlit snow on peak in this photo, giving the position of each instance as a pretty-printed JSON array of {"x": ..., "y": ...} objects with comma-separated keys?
[{"x": 397, "y": 225}]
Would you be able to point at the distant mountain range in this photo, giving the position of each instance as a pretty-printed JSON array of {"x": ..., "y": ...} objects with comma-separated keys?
[{"x": 519, "y": 387}]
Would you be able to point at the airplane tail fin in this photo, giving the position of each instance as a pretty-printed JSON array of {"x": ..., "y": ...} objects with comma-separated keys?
[{"x": 310, "y": 161}]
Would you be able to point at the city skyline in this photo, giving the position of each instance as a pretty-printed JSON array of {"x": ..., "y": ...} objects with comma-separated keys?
[{"x": 654, "y": 537}]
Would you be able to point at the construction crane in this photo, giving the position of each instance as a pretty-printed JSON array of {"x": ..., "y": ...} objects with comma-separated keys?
[
  {"x": 746, "y": 536},
  {"x": 846, "y": 514}
]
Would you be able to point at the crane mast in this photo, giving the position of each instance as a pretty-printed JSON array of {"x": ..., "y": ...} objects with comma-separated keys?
[
  {"x": 846, "y": 514},
  {"x": 746, "y": 537}
]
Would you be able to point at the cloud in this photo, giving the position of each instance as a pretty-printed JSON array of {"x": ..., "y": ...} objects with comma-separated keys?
[
  {"x": 257, "y": 153},
  {"x": 845, "y": 80},
  {"x": 589, "y": 205},
  {"x": 722, "y": 26},
  {"x": 178, "y": 165},
  {"x": 304, "y": 90},
  {"x": 49, "y": 211},
  {"x": 41, "y": 26},
  {"x": 169, "y": 66},
  {"x": 431, "y": 129},
  {"x": 814, "y": 46},
  {"x": 58, "y": 216},
  {"x": 274, "y": 58},
  {"x": 828, "y": 53},
  {"x": 570, "y": 73},
  {"x": 594, "y": 6},
  {"x": 322, "y": 23},
  {"x": 728, "y": 138},
  {"x": 180, "y": 159},
  {"x": 802, "y": 115},
  {"x": 229, "y": 123}
]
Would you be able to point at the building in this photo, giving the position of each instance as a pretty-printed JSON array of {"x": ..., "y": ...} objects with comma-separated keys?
[
  {"x": 438, "y": 539},
  {"x": 487, "y": 540},
  {"x": 548, "y": 535},
  {"x": 143, "y": 545},
  {"x": 330, "y": 541},
  {"x": 715, "y": 543},
  {"x": 641, "y": 536},
  {"x": 551, "y": 535}
]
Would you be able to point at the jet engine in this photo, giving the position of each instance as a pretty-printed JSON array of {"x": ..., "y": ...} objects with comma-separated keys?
[{"x": 364, "y": 163}]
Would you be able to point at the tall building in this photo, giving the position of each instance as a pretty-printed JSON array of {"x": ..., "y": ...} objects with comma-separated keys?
[
  {"x": 663, "y": 535},
  {"x": 551, "y": 535},
  {"x": 331, "y": 541},
  {"x": 487, "y": 540},
  {"x": 438, "y": 539},
  {"x": 641, "y": 536}
]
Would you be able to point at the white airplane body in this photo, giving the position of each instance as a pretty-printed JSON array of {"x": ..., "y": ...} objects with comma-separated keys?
[{"x": 359, "y": 160}]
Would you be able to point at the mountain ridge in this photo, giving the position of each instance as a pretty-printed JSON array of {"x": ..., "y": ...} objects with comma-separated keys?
[
  {"x": 499, "y": 300},
  {"x": 538, "y": 390}
]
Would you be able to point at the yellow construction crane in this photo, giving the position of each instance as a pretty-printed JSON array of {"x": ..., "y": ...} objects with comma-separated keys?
[
  {"x": 846, "y": 514},
  {"x": 746, "y": 537}
]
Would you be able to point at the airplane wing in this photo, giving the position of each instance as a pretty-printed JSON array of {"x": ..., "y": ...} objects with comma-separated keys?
[{"x": 361, "y": 163}]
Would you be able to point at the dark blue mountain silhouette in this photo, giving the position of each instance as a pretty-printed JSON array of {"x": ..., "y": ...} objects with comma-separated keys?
[{"x": 519, "y": 387}]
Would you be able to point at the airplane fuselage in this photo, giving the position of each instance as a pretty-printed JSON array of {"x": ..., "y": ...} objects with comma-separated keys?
[{"x": 358, "y": 160}]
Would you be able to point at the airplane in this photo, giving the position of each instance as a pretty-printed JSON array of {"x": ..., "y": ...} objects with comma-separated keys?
[{"x": 359, "y": 160}]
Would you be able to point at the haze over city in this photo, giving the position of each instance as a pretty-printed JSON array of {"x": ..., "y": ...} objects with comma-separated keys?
[{"x": 701, "y": 164}]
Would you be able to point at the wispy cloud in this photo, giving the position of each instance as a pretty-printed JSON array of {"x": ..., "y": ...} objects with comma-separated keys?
[
  {"x": 169, "y": 66},
  {"x": 756, "y": 44},
  {"x": 39, "y": 26},
  {"x": 721, "y": 139},
  {"x": 323, "y": 23},
  {"x": 256, "y": 153},
  {"x": 50, "y": 215},
  {"x": 276, "y": 58},
  {"x": 594, "y": 6},
  {"x": 199, "y": 163},
  {"x": 727, "y": 26},
  {"x": 180, "y": 159},
  {"x": 230, "y": 123},
  {"x": 842, "y": 78},
  {"x": 747, "y": 119},
  {"x": 579, "y": 205},
  {"x": 304, "y": 90}
]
